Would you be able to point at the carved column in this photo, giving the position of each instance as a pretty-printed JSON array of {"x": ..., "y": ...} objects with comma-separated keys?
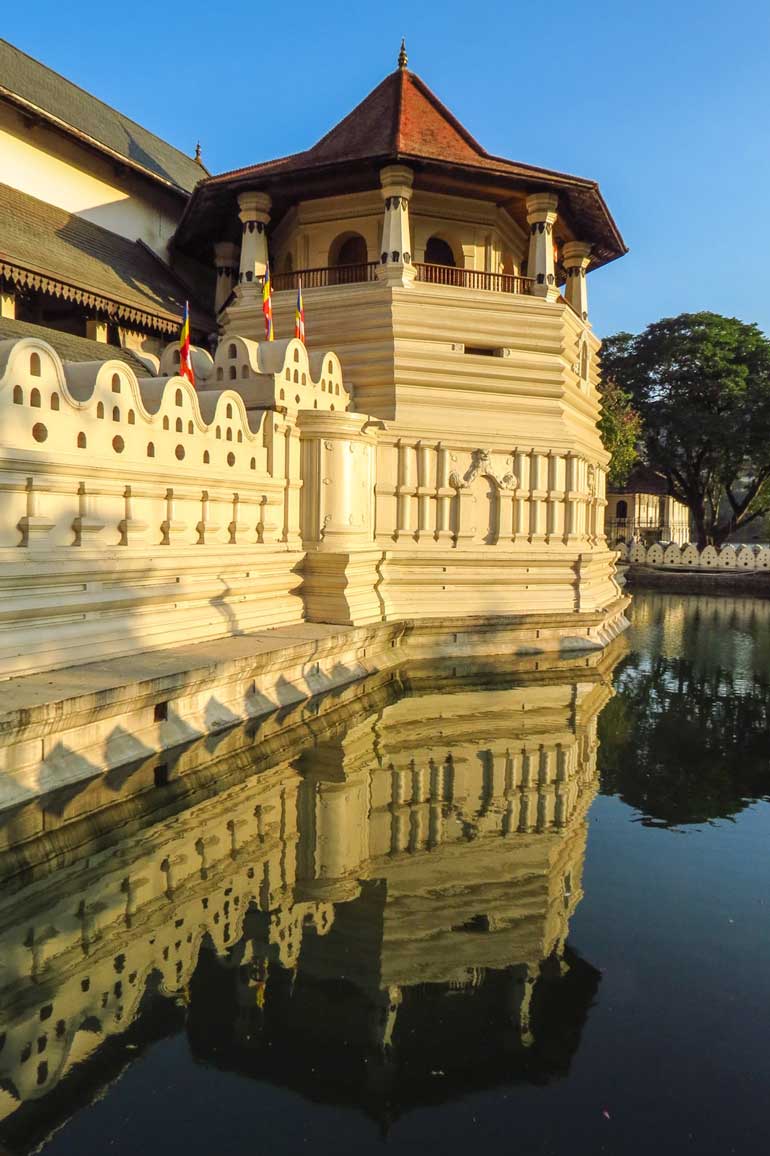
[
  {"x": 405, "y": 491},
  {"x": 576, "y": 257},
  {"x": 541, "y": 216},
  {"x": 424, "y": 490},
  {"x": 571, "y": 498},
  {"x": 396, "y": 247},
  {"x": 444, "y": 495},
  {"x": 538, "y": 492},
  {"x": 226, "y": 264},
  {"x": 521, "y": 516},
  {"x": 254, "y": 212},
  {"x": 556, "y": 487}
]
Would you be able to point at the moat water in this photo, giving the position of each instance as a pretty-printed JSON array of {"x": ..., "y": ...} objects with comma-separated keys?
[{"x": 497, "y": 906}]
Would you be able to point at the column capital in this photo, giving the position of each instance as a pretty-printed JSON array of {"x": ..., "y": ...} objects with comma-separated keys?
[
  {"x": 542, "y": 208},
  {"x": 254, "y": 206},
  {"x": 226, "y": 255},
  {"x": 396, "y": 181},
  {"x": 576, "y": 255}
]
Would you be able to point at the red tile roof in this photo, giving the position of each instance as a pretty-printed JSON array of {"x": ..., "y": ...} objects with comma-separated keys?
[
  {"x": 400, "y": 117},
  {"x": 400, "y": 120}
]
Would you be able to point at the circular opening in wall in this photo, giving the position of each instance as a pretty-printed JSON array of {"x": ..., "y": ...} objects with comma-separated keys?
[
  {"x": 118, "y": 444},
  {"x": 179, "y": 451},
  {"x": 39, "y": 432},
  {"x": 231, "y": 459}
]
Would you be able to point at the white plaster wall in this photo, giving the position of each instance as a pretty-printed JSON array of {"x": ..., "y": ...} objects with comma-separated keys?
[{"x": 47, "y": 165}]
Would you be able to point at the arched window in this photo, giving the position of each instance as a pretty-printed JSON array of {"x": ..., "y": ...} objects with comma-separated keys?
[
  {"x": 34, "y": 399},
  {"x": 348, "y": 257},
  {"x": 439, "y": 252},
  {"x": 34, "y": 364},
  {"x": 621, "y": 511}
]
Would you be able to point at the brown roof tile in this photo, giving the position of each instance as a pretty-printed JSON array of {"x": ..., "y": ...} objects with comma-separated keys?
[
  {"x": 27, "y": 81},
  {"x": 48, "y": 242}
]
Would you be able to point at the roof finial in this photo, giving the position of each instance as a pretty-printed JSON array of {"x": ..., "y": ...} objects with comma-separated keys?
[
  {"x": 403, "y": 59},
  {"x": 198, "y": 153}
]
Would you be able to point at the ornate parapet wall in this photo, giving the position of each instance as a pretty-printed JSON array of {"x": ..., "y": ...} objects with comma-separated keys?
[
  {"x": 744, "y": 558},
  {"x": 138, "y": 513},
  {"x": 142, "y": 513}
]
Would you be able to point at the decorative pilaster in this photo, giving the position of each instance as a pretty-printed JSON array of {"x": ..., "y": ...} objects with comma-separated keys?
[
  {"x": 576, "y": 257},
  {"x": 254, "y": 212},
  {"x": 86, "y": 526},
  {"x": 396, "y": 248},
  {"x": 132, "y": 530},
  {"x": 226, "y": 264},
  {"x": 541, "y": 216}
]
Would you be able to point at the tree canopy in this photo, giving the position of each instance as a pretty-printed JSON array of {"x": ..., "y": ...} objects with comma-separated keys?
[
  {"x": 621, "y": 428},
  {"x": 701, "y": 384}
]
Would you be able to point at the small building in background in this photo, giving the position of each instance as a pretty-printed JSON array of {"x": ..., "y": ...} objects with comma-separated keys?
[{"x": 645, "y": 511}]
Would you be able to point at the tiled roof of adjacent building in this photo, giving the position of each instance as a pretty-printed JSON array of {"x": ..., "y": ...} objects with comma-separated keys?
[
  {"x": 642, "y": 480},
  {"x": 51, "y": 250},
  {"x": 30, "y": 84},
  {"x": 68, "y": 346}
]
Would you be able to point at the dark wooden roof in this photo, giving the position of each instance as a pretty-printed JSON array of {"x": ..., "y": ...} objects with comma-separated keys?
[
  {"x": 49, "y": 249},
  {"x": 70, "y": 347},
  {"x": 642, "y": 480},
  {"x": 42, "y": 92},
  {"x": 400, "y": 120}
]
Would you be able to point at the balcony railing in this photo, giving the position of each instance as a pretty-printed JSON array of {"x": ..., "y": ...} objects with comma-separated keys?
[
  {"x": 472, "y": 279},
  {"x": 430, "y": 274},
  {"x": 328, "y": 275},
  {"x": 624, "y": 529}
]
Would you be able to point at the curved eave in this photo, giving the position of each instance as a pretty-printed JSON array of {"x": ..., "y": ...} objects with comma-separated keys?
[{"x": 211, "y": 213}]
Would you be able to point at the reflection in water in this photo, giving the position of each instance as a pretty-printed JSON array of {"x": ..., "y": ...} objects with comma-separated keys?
[
  {"x": 685, "y": 738},
  {"x": 378, "y": 917}
]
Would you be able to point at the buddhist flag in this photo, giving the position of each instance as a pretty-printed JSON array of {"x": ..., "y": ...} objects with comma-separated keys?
[
  {"x": 299, "y": 314},
  {"x": 185, "y": 361},
  {"x": 267, "y": 304}
]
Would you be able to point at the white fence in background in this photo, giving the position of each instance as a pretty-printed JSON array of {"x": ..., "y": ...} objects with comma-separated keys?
[{"x": 689, "y": 557}]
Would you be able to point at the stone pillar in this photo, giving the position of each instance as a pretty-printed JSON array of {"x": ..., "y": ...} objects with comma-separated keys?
[
  {"x": 254, "y": 212},
  {"x": 226, "y": 263},
  {"x": 396, "y": 247},
  {"x": 444, "y": 496},
  {"x": 576, "y": 257},
  {"x": 337, "y": 518},
  {"x": 406, "y": 490},
  {"x": 541, "y": 216}
]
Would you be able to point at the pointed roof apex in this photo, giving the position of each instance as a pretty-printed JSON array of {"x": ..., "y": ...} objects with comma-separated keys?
[
  {"x": 197, "y": 157},
  {"x": 403, "y": 59}
]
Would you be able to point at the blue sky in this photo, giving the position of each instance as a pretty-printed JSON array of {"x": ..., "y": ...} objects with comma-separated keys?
[{"x": 665, "y": 104}]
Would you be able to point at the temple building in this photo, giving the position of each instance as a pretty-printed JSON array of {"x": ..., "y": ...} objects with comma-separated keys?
[
  {"x": 643, "y": 510},
  {"x": 424, "y": 468}
]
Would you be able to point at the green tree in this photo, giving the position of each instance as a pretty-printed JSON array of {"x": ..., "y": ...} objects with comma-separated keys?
[
  {"x": 701, "y": 383},
  {"x": 621, "y": 429}
]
